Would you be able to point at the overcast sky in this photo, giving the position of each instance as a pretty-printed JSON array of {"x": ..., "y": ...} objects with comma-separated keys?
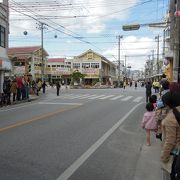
[{"x": 80, "y": 25}]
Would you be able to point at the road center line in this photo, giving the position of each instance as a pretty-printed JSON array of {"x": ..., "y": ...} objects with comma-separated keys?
[
  {"x": 71, "y": 169},
  {"x": 34, "y": 119},
  {"x": 56, "y": 103}
]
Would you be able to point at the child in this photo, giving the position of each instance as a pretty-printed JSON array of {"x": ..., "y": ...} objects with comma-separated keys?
[
  {"x": 153, "y": 100},
  {"x": 148, "y": 122}
]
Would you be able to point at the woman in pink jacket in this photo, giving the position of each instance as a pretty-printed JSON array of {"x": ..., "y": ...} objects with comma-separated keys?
[{"x": 149, "y": 122}]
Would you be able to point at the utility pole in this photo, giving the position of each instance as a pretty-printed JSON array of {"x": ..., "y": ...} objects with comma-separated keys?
[
  {"x": 119, "y": 59},
  {"x": 125, "y": 66},
  {"x": 151, "y": 64},
  {"x": 157, "y": 38},
  {"x": 42, "y": 27}
]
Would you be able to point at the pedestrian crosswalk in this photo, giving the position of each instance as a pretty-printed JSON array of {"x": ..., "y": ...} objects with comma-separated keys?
[{"x": 111, "y": 97}]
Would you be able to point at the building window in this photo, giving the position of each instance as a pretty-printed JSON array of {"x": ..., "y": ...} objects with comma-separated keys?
[
  {"x": 85, "y": 65},
  {"x": 58, "y": 66},
  {"x": 62, "y": 66},
  {"x": 95, "y": 65},
  {"x": 19, "y": 63},
  {"x": 53, "y": 65},
  {"x": 76, "y": 65},
  {"x": 2, "y": 36},
  {"x": 49, "y": 65}
]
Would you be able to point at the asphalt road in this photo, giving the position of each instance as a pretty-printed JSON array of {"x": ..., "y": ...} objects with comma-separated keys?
[{"x": 90, "y": 134}]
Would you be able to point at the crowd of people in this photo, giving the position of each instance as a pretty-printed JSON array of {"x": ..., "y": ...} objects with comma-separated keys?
[
  {"x": 19, "y": 89},
  {"x": 163, "y": 118}
]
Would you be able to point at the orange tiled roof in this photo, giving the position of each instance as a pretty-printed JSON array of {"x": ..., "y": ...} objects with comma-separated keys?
[
  {"x": 23, "y": 50},
  {"x": 56, "y": 60}
]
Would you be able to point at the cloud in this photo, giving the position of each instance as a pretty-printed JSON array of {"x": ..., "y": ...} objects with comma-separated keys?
[
  {"x": 98, "y": 11},
  {"x": 135, "y": 49}
]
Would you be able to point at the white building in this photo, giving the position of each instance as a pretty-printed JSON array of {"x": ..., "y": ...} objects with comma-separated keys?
[{"x": 5, "y": 63}]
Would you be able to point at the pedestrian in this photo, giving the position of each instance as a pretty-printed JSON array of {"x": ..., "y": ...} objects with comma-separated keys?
[
  {"x": 171, "y": 132},
  {"x": 44, "y": 86},
  {"x": 7, "y": 91},
  {"x": 148, "y": 122},
  {"x": 14, "y": 89},
  {"x": 124, "y": 84},
  {"x": 153, "y": 100},
  {"x": 58, "y": 86},
  {"x": 135, "y": 85},
  {"x": 148, "y": 91}
]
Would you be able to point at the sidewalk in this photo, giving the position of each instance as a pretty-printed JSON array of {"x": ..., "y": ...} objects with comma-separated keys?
[{"x": 149, "y": 166}]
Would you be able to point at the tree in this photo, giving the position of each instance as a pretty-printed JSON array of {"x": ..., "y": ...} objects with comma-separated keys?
[{"x": 76, "y": 76}]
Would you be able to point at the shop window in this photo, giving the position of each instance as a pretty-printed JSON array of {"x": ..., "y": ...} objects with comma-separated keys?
[
  {"x": 19, "y": 63},
  {"x": 95, "y": 65},
  {"x": 85, "y": 65},
  {"x": 2, "y": 36},
  {"x": 76, "y": 65}
]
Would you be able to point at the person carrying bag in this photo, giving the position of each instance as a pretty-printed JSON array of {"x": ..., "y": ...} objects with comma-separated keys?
[{"x": 171, "y": 133}]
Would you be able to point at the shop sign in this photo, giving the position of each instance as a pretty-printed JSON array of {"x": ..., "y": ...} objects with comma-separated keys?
[
  {"x": 5, "y": 64},
  {"x": 19, "y": 70},
  {"x": 90, "y": 71},
  {"x": 62, "y": 71}
]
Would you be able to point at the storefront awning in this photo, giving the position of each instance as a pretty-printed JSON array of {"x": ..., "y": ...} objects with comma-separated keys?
[{"x": 5, "y": 64}]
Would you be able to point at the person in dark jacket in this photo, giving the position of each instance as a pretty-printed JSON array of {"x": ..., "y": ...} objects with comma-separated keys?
[
  {"x": 58, "y": 86},
  {"x": 44, "y": 86},
  {"x": 148, "y": 91}
]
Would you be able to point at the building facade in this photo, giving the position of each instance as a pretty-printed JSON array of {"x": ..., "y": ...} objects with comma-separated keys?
[
  {"x": 58, "y": 69},
  {"x": 28, "y": 61},
  {"x": 173, "y": 55},
  {"x": 95, "y": 67},
  {"x": 5, "y": 63}
]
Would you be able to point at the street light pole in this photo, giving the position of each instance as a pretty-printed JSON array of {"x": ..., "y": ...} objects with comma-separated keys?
[
  {"x": 119, "y": 59},
  {"x": 157, "y": 37}
]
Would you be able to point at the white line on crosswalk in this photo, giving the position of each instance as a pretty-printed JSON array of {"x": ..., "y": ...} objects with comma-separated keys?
[
  {"x": 106, "y": 97},
  {"x": 138, "y": 99},
  {"x": 126, "y": 98},
  {"x": 117, "y": 97},
  {"x": 73, "y": 96},
  {"x": 87, "y": 97},
  {"x": 81, "y": 96},
  {"x": 96, "y": 97}
]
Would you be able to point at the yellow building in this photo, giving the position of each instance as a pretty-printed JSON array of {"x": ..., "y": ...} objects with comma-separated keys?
[
  {"x": 96, "y": 68},
  {"x": 28, "y": 61}
]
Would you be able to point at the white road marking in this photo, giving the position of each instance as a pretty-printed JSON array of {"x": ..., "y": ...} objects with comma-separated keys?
[
  {"x": 138, "y": 99},
  {"x": 18, "y": 107},
  {"x": 71, "y": 169},
  {"x": 117, "y": 97},
  {"x": 95, "y": 97},
  {"x": 107, "y": 97},
  {"x": 81, "y": 96},
  {"x": 88, "y": 96},
  {"x": 126, "y": 98},
  {"x": 56, "y": 103}
]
